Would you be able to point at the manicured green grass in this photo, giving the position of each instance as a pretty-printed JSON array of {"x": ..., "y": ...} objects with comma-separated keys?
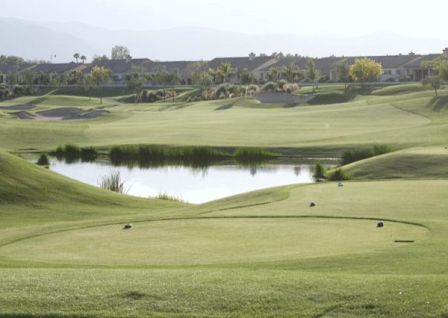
[
  {"x": 415, "y": 163},
  {"x": 400, "y": 120},
  {"x": 63, "y": 252},
  {"x": 212, "y": 241},
  {"x": 296, "y": 261}
]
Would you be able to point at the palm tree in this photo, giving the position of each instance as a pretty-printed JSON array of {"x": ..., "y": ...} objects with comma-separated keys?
[
  {"x": 83, "y": 59},
  {"x": 290, "y": 72},
  {"x": 100, "y": 76},
  {"x": 225, "y": 69},
  {"x": 76, "y": 56},
  {"x": 274, "y": 73}
]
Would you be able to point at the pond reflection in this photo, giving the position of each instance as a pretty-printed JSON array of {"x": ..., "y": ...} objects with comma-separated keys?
[{"x": 191, "y": 184}]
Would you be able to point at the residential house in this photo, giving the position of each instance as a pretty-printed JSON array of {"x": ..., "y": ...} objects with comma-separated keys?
[
  {"x": 253, "y": 64},
  {"x": 180, "y": 67},
  {"x": 121, "y": 68},
  {"x": 7, "y": 70},
  {"x": 409, "y": 67}
]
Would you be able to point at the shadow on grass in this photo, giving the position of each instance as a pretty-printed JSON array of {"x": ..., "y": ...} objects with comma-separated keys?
[
  {"x": 439, "y": 103},
  {"x": 3, "y": 315},
  {"x": 331, "y": 98},
  {"x": 136, "y": 295}
]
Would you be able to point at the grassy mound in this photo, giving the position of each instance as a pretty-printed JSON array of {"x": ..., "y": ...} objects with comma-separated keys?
[
  {"x": 419, "y": 163},
  {"x": 30, "y": 194},
  {"x": 399, "y": 89}
]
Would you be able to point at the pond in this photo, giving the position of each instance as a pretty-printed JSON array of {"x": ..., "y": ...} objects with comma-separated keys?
[{"x": 194, "y": 185}]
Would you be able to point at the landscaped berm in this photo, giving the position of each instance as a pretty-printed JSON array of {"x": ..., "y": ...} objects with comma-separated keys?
[{"x": 375, "y": 245}]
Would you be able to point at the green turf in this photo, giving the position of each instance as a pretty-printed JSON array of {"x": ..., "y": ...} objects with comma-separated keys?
[
  {"x": 213, "y": 241},
  {"x": 63, "y": 252},
  {"x": 414, "y": 163},
  {"x": 401, "y": 120},
  {"x": 399, "y": 89}
]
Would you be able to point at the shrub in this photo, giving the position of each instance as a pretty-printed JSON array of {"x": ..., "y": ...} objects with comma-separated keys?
[
  {"x": 356, "y": 155},
  {"x": 252, "y": 154},
  {"x": 144, "y": 95},
  {"x": 319, "y": 171},
  {"x": 269, "y": 87},
  {"x": 43, "y": 160},
  {"x": 252, "y": 89},
  {"x": 235, "y": 90},
  {"x": 338, "y": 175},
  {"x": 59, "y": 152},
  {"x": 113, "y": 182},
  {"x": 290, "y": 88},
  {"x": 168, "y": 197},
  {"x": 360, "y": 154},
  {"x": 88, "y": 154},
  {"x": 151, "y": 97},
  {"x": 72, "y": 152},
  {"x": 282, "y": 84},
  {"x": 221, "y": 91},
  {"x": 153, "y": 155}
]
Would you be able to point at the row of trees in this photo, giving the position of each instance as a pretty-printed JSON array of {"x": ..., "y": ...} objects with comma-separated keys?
[
  {"x": 78, "y": 57},
  {"x": 363, "y": 70}
]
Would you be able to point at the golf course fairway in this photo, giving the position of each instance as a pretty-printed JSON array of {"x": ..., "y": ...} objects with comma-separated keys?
[{"x": 301, "y": 250}]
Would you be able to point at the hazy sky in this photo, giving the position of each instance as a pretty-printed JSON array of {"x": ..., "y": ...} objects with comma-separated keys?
[{"x": 310, "y": 17}]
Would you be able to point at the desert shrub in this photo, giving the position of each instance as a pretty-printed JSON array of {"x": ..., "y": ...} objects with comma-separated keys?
[
  {"x": 221, "y": 91},
  {"x": 113, "y": 182},
  {"x": 160, "y": 94},
  {"x": 282, "y": 84},
  {"x": 252, "y": 89},
  {"x": 338, "y": 175},
  {"x": 290, "y": 88},
  {"x": 234, "y": 89},
  {"x": 43, "y": 160},
  {"x": 151, "y": 97},
  {"x": 319, "y": 171},
  {"x": 269, "y": 87}
]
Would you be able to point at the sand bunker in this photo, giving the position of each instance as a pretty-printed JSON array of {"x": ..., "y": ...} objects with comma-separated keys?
[{"x": 65, "y": 113}]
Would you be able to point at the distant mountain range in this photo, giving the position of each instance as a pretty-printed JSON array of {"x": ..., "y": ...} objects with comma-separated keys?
[{"x": 40, "y": 40}]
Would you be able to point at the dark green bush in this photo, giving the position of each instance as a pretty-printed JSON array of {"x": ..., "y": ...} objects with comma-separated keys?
[
  {"x": 43, "y": 160},
  {"x": 338, "y": 175},
  {"x": 360, "y": 154},
  {"x": 319, "y": 171},
  {"x": 88, "y": 154},
  {"x": 252, "y": 154},
  {"x": 269, "y": 87},
  {"x": 72, "y": 152},
  {"x": 155, "y": 155}
]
